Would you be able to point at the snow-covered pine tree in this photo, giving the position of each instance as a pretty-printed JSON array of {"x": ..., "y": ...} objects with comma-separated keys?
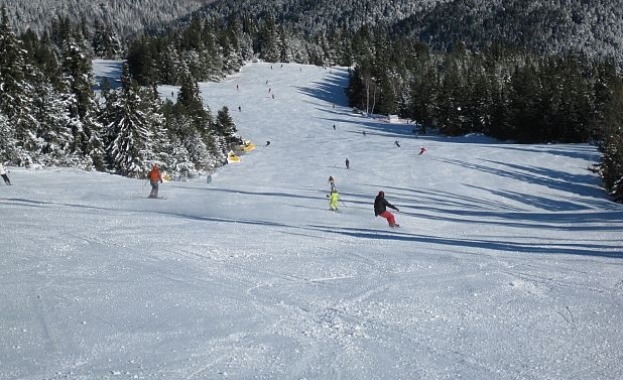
[
  {"x": 7, "y": 139},
  {"x": 54, "y": 128},
  {"x": 16, "y": 100},
  {"x": 78, "y": 76},
  {"x": 226, "y": 128},
  {"x": 128, "y": 133}
]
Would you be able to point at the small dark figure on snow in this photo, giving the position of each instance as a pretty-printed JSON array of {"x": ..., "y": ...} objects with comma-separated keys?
[
  {"x": 332, "y": 183},
  {"x": 273, "y": 96},
  {"x": 347, "y": 164},
  {"x": 334, "y": 127},
  {"x": 4, "y": 176},
  {"x": 364, "y": 133},
  {"x": 267, "y": 143},
  {"x": 422, "y": 151},
  {"x": 239, "y": 109},
  {"x": 154, "y": 177},
  {"x": 396, "y": 143},
  {"x": 380, "y": 209}
]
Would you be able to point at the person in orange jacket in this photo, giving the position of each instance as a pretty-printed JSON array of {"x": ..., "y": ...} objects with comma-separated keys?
[{"x": 154, "y": 177}]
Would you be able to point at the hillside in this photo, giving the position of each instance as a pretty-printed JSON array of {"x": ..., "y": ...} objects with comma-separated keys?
[
  {"x": 507, "y": 264},
  {"x": 124, "y": 16},
  {"x": 559, "y": 26}
]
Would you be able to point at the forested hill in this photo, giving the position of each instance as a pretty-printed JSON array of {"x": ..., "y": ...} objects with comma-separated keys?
[
  {"x": 123, "y": 16},
  {"x": 555, "y": 26}
]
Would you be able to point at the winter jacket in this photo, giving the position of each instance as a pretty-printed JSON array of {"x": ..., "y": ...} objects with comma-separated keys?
[
  {"x": 380, "y": 204},
  {"x": 2, "y": 171},
  {"x": 154, "y": 174}
]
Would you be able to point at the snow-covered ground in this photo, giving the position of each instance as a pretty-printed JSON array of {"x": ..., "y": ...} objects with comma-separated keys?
[{"x": 507, "y": 265}]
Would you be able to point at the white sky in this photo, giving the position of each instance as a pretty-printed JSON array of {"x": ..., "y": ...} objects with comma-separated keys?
[{"x": 507, "y": 265}]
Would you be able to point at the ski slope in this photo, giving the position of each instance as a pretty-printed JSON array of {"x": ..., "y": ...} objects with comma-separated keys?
[{"x": 507, "y": 265}]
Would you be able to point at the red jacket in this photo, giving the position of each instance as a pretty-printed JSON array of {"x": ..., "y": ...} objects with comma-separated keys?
[{"x": 154, "y": 174}]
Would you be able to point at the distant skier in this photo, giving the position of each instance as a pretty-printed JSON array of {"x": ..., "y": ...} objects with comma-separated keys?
[
  {"x": 347, "y": 164},
  {"x": 380, "y": 209},
  {"x": 239, "y": 109},
  {"x": 364, "y": 133},
  {"x": 396, "y": 143},
  {"x": 5, "y": 177},
  {"x": 154, "y": 177},
  {"x": 422, "y": 151},
  {"x": 332, "y": 183},
  {"x": 334, "y": 197},
  {"x": 334, "y": 127},
  {"x": 267, "y": 143}
]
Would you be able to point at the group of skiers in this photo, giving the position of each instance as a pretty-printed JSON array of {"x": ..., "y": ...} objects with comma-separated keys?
[{"x": 380, "y": 204}]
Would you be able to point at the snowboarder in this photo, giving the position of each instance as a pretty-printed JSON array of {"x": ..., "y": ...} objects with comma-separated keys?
[
  {"x": 334, "y": 197},
  {"x": 396, "y": 143},
  {"x": 332, "y": 183},
  {"x": 347, "y": 164},
  {"x": 422, "y": 151},
  {"x": 154, "y": 177},
  {"x": 380, "y": 209},
  {"x": 5, "y": 177}
]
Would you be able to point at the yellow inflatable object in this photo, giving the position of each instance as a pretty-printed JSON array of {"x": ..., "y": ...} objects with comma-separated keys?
[
  {"x": 166, "y": 177},
  {"x": 232, "y": 158},
  {"x": 248, "y": 147}
]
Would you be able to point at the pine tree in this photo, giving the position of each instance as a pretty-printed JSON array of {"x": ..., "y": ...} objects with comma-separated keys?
[
  {"x": 226, "y": 128},
  {"x": 7, "y": 140},
  {"x": 128, "y": 133},
  {"x": 16, "y": 93},
  {"x": 78, "y": 77}
]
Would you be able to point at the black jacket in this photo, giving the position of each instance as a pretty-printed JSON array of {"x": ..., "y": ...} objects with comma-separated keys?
[{"x": 380, "y": 205}]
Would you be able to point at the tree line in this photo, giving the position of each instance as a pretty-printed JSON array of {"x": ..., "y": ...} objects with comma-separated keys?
[
  {"x": 51, "y": 116},
  {"x": 505, "y": 93}
]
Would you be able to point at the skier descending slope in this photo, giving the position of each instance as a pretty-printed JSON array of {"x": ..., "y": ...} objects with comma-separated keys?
[
  {"x": 154, "y": 178},
  {"x": 334, "y": 197},
  {"x": 380, "y": 209}
]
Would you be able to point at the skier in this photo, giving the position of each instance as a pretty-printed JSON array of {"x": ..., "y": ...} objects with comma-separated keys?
[
  {"x": 396, "y": 143},
  {"x": 332, "y": 183},
  {"x": 364, "y": 133},
  {"x": 334, "y": 127},
  {"x": 334, "y": 197},
  {"x": 380, "y": 209},
  {"x": 267, "y": 143},
  {"x": 239, "y": 109},
  {"x": 347, "y": 164},
  {"x": 154, "y": 177},
  {"x": 4, "y": 176},
  {"x": 422, "y": 151}
]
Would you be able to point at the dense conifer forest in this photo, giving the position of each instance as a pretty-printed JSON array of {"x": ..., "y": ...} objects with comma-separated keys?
[{"x": 524, "y": 70}]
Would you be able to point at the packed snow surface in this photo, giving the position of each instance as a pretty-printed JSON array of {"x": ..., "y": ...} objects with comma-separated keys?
[{"x": 507, "y": 264}]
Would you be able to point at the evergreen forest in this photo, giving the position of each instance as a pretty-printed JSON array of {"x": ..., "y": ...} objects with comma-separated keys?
[{"x": 522, "y": 71}]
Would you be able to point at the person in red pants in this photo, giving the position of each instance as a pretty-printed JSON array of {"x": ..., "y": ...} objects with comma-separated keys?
[{"x": 380, "y": 209}]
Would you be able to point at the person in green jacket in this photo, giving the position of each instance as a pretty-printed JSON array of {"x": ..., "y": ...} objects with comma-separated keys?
[{"x": 333, "y": 198}]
